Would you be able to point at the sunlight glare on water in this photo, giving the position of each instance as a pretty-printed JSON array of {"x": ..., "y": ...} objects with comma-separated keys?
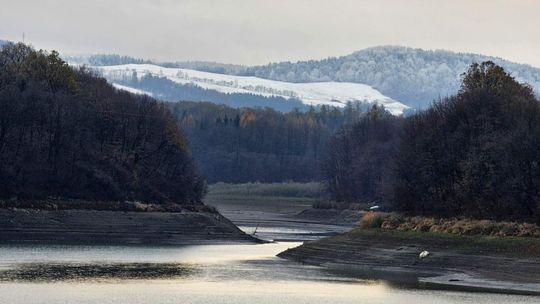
[{"x": 215, "y": 274}]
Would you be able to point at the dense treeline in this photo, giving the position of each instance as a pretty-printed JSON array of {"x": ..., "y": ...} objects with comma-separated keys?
[
  {"x": 104, "y": 59},
  {"x": 260, "y": 144},
  {"x": 115, "y": 59},
  {"x": 474, "y": 154},
  {"x": 67, "y": 133},
  {"x": 356, "y": 165}
]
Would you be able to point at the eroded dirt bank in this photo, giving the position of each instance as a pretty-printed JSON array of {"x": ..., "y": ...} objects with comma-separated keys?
[
  {"x": 454, "y": 261},
  {"x": 116, "y": 227}
]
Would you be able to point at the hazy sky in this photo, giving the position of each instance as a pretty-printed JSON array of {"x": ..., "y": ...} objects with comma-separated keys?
[{"x": 257, "y": 32}]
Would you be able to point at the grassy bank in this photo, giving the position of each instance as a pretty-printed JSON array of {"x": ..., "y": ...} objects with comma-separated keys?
[
  {"x": 260, "y": 193},
  {"x": 456, "y": 226}
]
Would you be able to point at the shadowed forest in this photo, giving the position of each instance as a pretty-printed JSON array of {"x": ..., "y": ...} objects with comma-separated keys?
[
  {"x": 261, "y": 144},
  {"x": 474, "y": 154},
  {"x": 65, "y": 132}
]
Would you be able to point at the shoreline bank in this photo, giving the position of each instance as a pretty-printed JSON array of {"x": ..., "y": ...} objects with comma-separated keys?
[
  {"x": 454, "y": 262},
  {"x": 94, "y": 227}
]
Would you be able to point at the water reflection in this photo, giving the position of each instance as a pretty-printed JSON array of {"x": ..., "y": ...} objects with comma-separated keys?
[
  {"x": 194, "y": 274},
  {"x": 36, "y": 272}
]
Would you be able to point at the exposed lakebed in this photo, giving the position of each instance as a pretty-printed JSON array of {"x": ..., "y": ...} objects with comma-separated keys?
[{"x": 233, "y": 273}]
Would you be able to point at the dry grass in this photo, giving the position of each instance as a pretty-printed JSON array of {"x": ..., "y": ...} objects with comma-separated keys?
[
  {"x": 311, "y": 190},
  {"x": 458, "y": 226},
  {"x": 372, "y": 220},
  {"x": 283, "y": 197}
]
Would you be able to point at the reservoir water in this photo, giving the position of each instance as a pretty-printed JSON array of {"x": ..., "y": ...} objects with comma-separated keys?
[{"x": 230, "y": 273}]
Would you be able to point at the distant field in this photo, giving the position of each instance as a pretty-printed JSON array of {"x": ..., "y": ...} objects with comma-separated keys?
[
  {"x": 296, "y": 195},
  {"x": 289, "y": 189}
]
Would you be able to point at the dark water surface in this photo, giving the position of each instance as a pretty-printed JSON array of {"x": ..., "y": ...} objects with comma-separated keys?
[{"x": 194, "y": 274}]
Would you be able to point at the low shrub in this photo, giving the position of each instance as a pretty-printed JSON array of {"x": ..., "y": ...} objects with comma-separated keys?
[
  {"x": 392, "y": 221},
  {"x": 460, "y": 226},
  {"x": 372, "y": 220}
]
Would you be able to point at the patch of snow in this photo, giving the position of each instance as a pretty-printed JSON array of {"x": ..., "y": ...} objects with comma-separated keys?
[
  {"x": 130, "y": 89},
  {"x": 313, "y": 93}
]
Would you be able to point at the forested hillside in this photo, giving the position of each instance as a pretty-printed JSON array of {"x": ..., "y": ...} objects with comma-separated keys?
[
  {"x": 415, "y": 77},
  {"x": 256, "y": 144},
  {"x": 357, "y": 165},
  {"x": 66, "y": 133},
  {"x": 103, "y": 59},
  {"x": 473, "y": 154}
]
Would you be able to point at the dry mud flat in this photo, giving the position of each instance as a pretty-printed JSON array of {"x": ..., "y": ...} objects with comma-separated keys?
[
  {"x": 116, "y": 227},
  {"x": 272, "y": 222},
  {"x": 454, "y": 262}
]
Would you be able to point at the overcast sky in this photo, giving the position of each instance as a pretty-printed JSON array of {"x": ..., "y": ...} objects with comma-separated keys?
[{"x": 258, "y": 32}]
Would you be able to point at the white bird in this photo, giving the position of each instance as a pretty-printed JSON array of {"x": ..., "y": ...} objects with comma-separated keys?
[{"x": 424, "y": 254}]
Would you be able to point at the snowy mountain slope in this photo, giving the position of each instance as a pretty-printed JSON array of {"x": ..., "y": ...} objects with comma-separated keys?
[
  {"x": 314, "y": 93},
  {"x": 415, "y": 77}
]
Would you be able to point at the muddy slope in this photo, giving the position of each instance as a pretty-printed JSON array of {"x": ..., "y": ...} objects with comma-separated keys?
[
  {"x": 116, "y": 227},
  {"x": 451, "y": 262}
]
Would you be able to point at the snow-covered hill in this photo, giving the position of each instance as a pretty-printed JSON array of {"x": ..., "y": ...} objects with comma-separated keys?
[
  {"x": 415, "y": 77},
  {"x": 313, "y": 93}
]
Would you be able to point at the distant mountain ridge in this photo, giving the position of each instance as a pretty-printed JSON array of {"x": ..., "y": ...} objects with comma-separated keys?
[
  {"x": 115, "y": 59},
  {"x": 413, "y": 76}
]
